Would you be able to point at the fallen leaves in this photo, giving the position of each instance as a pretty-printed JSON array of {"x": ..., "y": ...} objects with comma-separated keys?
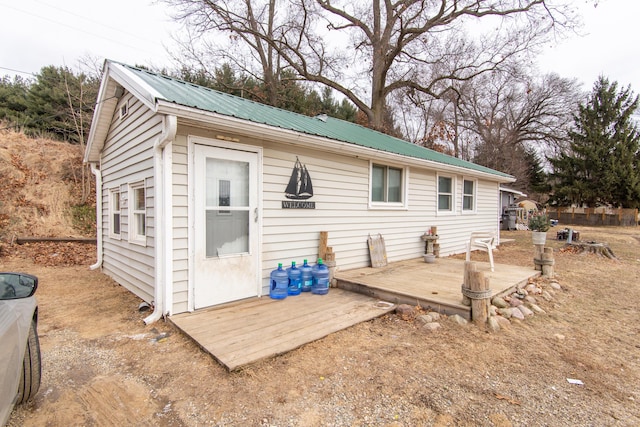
[
  {"x": 53, "y": 254},
  {"x": 507, "y": 398}
]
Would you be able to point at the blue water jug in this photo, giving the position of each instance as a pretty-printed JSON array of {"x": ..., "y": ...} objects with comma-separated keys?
[
  {"x": 320, "y": 285},
  {"x": 279, "y": 283},
  {"x": 295, "y": 279},
  {"x": 307, "y": 277}
]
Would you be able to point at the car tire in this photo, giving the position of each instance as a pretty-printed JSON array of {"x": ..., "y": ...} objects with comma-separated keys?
[{"x": 31, "y": 367}]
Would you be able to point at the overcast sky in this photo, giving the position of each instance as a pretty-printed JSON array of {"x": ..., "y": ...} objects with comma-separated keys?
[{"x": 37, "y": 33}]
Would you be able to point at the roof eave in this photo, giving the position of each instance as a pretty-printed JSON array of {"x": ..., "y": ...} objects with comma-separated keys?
[
  {"x": 114, "y": 75},
  {"x": 259, "y": 130}
]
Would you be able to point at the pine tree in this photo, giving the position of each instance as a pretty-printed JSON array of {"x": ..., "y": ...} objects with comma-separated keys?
[{"x": 602, "y": 166}]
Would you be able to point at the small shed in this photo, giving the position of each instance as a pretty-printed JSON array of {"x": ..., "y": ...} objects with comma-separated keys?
[{"x": 200, "y": 194}]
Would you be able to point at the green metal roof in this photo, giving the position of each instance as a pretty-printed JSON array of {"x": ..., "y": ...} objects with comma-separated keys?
[{"x": 191, "y": 95}]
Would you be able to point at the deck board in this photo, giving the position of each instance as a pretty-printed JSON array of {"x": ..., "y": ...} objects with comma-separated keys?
[
  {"x": 244, "y": 332},
  {"x": 434, "y": 285},
  {"x": 259, "y": 328}
]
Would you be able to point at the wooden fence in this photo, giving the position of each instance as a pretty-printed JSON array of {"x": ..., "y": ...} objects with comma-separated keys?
[{"x": 594, "y": 216}]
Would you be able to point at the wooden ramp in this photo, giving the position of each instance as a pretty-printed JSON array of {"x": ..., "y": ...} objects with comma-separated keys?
[{"x": 245, "y": 332}]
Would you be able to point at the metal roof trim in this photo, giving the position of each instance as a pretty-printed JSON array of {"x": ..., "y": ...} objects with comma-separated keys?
[
  {"x": 260, "y": 130},
  {"x": 190, "y": 97}
]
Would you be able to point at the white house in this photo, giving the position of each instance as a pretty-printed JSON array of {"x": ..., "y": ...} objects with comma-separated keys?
[{"x": 201, "y": 194}]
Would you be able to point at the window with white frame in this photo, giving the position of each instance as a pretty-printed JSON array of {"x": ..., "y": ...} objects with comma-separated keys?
[
  {"x": 124, "y": 110},
  {"x": 387, "y": 185},
  {"x": 445, "y": 194},
  {"x": 114, "y": 213},
  {"x": 137, "y": 213},
  {"x": 468, "y": 195}
]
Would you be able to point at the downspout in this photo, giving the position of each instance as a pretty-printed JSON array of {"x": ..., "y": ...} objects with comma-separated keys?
[
  {"x": 98, "y": 174},
  {"x": 170, "y": 126}
]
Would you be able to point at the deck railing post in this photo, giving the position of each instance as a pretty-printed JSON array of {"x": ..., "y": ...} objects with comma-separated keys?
[
  {"x": 476, "y": 292},
  {"x": 469, "y": 267},
  {"x": 547, "y": 262},
  {"x": 538, "y": 250},
  {"x": 480, "y": 305}
]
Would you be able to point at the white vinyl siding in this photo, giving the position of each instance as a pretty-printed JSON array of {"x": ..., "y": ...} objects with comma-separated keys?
[
  {"x": 127, "y": 158},
  {"x": 341, "y": 188},
  {"x": 180, "y": 243}
]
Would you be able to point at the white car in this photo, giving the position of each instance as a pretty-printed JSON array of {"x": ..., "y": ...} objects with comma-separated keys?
[{"x": 20, "y": 366}]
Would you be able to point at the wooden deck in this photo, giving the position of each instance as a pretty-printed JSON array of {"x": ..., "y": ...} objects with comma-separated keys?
[
  {"x": 245, "y": 332},
  {"x": 433, "y": 286}
]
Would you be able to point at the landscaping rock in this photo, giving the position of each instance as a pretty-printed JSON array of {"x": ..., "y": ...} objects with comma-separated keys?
[
  {"x": 529, "y": 299},
  {"x": 505, "y": 312},
  {"x": 499, "y": 302},
  {"x": 458, "y": 319},
  {"x": 492, "y": 324},
  {"x": 434, "y": 315},
  {"x": 520, "y": 293},
  {"x": 406, "y": 310},
  {"x": 556, "y": 286},
  {"x": 426, "y": 318},
  {"x": 533, "y": 289},
  {"x": 525, "y": 311},
  {"x": 537, "y": 309},
  {"x": 503, "y": 322},
  {"x": 431, "y": 327},
  {"x": 517, "y": 314},
  {"x": 515, "y": 302},
  {"x": 493, "y": 310},
  {"x": 547, "y": 296}
]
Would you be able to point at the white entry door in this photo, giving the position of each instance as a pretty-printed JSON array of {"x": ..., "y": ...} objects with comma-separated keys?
[{"x": 226, "y": 225}]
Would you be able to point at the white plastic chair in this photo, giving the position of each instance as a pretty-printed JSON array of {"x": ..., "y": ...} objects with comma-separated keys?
[{"x": 483, "y": 241}]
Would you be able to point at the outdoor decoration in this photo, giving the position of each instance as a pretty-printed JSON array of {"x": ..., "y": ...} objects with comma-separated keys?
[
  {"x": 539, "y": 224},
  {"x": 432, "y": 248},
  {"x": 299, "y": 189}
]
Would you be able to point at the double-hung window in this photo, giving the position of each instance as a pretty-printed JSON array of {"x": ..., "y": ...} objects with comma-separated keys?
[
  {"x": 387, "y": 185},
  {"x": 445, "y": 194},
  {"x": 468, "y": 195},
  {"x": 114, "y": 213},
  {"x": 137, "y": 213}
]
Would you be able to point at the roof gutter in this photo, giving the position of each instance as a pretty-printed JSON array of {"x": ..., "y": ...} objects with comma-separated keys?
[
  {"x": 98, "y": 174},
  {"x": 162, "y": 166}
]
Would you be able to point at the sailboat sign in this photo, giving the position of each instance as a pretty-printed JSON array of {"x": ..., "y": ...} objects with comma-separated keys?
[{"x": 299, "y": 188}]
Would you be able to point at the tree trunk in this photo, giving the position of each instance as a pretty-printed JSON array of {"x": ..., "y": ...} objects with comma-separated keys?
[{"x": 599, "y": 249}]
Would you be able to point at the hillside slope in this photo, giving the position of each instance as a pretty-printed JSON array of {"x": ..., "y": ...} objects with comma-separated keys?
[{"x": 41, "y": 189}]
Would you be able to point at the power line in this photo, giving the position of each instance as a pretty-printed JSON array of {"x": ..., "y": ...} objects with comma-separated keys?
[
  {"x": 72, "y": 27},
  {"x": 18, "y": 71},
  {"x": 57, "y": 8}
]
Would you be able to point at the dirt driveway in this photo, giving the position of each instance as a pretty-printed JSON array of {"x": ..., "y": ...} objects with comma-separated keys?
[{"x": 103, "y": 366}]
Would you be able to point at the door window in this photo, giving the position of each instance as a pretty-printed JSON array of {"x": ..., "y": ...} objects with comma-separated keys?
[{"x": 227, "y": 207}]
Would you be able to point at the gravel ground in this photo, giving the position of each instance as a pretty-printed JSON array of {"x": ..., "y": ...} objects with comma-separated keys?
[{"x": 103, "y": 366}]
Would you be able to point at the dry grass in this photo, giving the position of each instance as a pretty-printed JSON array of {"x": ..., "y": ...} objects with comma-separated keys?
[
  {"x": 40, "y": 182},
  {"x": 103, "y": 366}
]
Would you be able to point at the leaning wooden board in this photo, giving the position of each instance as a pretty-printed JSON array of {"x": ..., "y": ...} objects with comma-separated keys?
[{"x": 377, "y": 251}]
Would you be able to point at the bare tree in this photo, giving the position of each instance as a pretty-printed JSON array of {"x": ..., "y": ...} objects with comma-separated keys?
[
  {"x": 81, "y": 92},
  {"x": 248, "y": 29},
  {"x": 516, "y": 116},
  {"x": 367, "y": 50}
]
